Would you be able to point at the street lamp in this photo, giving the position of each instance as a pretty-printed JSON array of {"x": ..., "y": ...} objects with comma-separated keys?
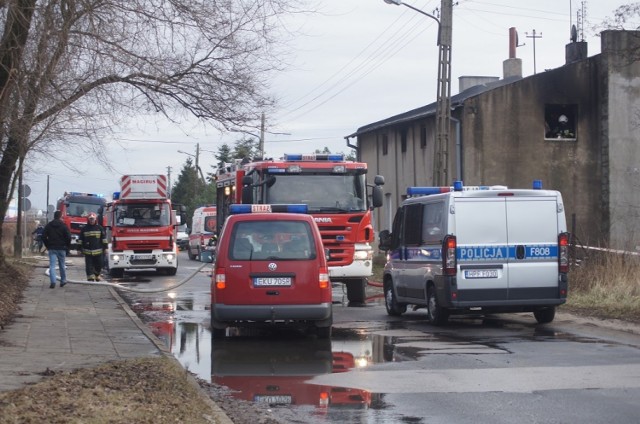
[
  {"x": 443, "y": 105},
  {"x": 400, "y": 3},
  {"x": 197, "y": 156}
]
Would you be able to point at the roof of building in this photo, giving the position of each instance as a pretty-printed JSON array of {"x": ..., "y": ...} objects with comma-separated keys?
[{"x": 430, "y": 109}]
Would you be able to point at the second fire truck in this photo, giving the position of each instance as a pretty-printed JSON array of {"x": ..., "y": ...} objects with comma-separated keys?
[{"x": 336, "y": 193}]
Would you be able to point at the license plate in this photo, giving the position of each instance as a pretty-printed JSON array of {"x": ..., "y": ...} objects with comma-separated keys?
[
  {"x": 271, "y": 281},
  {"x": 142, "y": 257},
  {"x": 481, "y": 273},
  {"x": 273, "y": 399}
]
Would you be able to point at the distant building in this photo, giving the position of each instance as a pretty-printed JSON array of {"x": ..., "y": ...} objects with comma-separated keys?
[{"x": 574, "y": 127}]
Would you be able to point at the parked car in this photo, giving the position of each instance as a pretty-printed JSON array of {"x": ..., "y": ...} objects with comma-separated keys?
[{"x": 270, "y": 270}]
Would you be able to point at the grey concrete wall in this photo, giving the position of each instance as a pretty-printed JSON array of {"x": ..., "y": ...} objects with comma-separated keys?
[{"x": 621, "y": 63}]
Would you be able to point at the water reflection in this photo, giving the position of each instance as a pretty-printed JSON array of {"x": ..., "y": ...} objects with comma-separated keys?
[{"x": 275, "y": 371}]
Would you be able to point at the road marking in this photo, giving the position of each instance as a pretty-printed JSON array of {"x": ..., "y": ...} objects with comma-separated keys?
[{"x": 511, "y": 380}]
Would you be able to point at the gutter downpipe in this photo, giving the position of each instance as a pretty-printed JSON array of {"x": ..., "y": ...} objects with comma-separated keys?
[{"x": 459, "y": 174}]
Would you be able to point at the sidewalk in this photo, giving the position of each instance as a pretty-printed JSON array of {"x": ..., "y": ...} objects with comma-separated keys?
[{"x": 67, "y": 328}]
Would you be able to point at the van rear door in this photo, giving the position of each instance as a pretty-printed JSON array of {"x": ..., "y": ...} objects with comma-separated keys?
[
  {"x": 532, "y": 225},
  {"x": 482, "y": 238}
]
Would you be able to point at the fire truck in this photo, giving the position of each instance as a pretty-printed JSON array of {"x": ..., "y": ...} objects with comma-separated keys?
[
  {"x": 75, "y": 207},
  {"x": 203, "y": 227},
  {"x": 141, "y": 223},
  {"x": 336, "y": 193}
]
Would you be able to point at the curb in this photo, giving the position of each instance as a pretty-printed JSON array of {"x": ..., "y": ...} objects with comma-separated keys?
[{"x": 219, "y": 415}]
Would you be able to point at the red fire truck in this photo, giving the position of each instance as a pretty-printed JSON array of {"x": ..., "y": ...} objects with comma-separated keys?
[
  {"x": 142, "y": 223},
  {"x": 336, "y": 194},
  {"x": 75, "y": 207}
]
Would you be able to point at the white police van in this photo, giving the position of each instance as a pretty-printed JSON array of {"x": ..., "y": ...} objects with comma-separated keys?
[{"x": 481, "y": 249}]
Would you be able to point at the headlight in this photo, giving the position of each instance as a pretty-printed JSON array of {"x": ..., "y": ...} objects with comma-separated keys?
[
  {"x": 363, "y": 255},
  {"x": 115, "y": 258},
  {"x": 170, "y": 257}
]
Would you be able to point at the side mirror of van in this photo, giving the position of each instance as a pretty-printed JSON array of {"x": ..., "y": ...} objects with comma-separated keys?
[
  {"x": 385, "y": 240},
  {"x": 327, "y": 253}
]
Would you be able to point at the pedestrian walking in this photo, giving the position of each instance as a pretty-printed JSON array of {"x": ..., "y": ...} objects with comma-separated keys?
[
  {"x": 57, "y": 239},
  {"x": 93, "y": 239}
]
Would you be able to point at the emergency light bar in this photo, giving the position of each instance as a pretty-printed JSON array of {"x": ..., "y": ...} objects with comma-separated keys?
[
  {"x": 331, "y": 157},
  {"x": 116, "y": 195},
  {"x": 77, "y": 193},
  {"x": 458, "y": 186},
  {"x": 256, "y": 208}
]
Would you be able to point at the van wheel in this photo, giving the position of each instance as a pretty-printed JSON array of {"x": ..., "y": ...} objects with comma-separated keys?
[
  {"x": 190, "y": 254},
  {"x": 323, "y": 332},
  {"x": 437, "y": 314},
  {"x": 356, "y": 290},
  {"x": 217, "y": 333},
  {"x": 545, "y": 315},
  {"x": 394, "y": 308},
  {"x": 171, "y": 271}
]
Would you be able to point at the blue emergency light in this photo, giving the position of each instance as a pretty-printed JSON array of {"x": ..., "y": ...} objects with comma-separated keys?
[
  {"x": 457, "y": 186},
  {"x": 257, "y": 208},
  {"x": 116, "y": 195},
  {"x": 331, "y": 157},
  {"x": 537, "y": 184}
]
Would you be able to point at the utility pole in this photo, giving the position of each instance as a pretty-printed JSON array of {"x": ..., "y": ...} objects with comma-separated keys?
[
  {"x": 262, "y": 137},
  {"x": 534, "y": 36},
  {"x": 443, "y": 105},
  {"x": 169, "y": 180}
]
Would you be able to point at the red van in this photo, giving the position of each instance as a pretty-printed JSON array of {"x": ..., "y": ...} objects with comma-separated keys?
[{"x": 270, "y": 270}]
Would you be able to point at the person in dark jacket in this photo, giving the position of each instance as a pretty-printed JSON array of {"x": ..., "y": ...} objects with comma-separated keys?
[
  {"x": 57, "y": 239},
  {"x": 93, "y": 239}
]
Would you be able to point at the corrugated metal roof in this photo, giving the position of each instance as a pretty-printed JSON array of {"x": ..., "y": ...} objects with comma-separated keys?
[{"x": 430, "y": 109}]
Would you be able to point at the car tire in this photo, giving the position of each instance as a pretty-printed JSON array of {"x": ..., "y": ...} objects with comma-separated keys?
[
  {"x": 394, "y": 308},
  {"x": 116, "y": 272},
  {"x": 171, "y": 271},
  {"x": 216, "y": 332},
  {"x": 437, "y": 314},
  {"x": 545, "y": 315},
  {"x": 323, "y": 332},
  {"x": 190, "y": 254},
  {"x": 356, "y": 290}
]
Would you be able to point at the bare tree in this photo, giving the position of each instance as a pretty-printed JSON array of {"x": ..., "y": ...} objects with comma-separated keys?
[{"x": 87, "y": 64}]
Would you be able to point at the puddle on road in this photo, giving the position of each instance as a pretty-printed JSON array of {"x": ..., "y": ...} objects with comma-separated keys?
[{"x": 273, "y": 368}]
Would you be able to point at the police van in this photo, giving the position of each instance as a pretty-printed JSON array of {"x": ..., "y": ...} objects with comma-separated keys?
[
  {"x": 481, "y": 249},
  {"x": 271, "y": 270}
]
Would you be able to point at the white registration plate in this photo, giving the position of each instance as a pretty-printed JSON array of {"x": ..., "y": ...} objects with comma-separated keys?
[
  {"x": 273, "y": 399},
  {"x": 481, "y": 273},
  {"x": 271, "y": 281},
  {"x": 142, "y": 257}
]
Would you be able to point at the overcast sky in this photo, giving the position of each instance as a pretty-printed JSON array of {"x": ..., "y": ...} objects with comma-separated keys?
[{"x": 358, "y": 62}]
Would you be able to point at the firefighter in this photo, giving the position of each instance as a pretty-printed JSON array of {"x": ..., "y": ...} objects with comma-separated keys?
[{"x": 93, "y": 240}]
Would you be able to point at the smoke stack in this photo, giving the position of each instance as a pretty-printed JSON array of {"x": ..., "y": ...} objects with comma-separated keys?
[{"x": 512, "y": 67}]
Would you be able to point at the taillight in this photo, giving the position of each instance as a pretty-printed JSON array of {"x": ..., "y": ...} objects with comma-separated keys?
[
  {"x": 323, "y": 278},
  {"x": 220, "y": 279},
  {"x": 449, "y": 255},
  {"x": 563, "y": 252}
]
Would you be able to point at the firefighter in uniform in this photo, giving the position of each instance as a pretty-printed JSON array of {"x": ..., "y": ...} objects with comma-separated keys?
[{"x": 93, "y": 240}]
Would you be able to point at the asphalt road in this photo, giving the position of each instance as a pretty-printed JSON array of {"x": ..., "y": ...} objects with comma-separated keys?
[{"x": 381, "y": 369}]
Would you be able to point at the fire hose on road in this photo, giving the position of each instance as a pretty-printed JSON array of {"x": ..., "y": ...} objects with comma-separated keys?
[{"x": 121, "y": 287}]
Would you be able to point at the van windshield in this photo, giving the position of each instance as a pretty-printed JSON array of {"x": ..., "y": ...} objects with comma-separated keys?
[{"x": 271, "y": 240}]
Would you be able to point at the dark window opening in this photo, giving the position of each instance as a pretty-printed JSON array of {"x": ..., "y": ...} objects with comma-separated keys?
[
  {"x": 423, "y": 137},
  {"x": 385, "y": 145},
  {"x": 560, "y": 121}
]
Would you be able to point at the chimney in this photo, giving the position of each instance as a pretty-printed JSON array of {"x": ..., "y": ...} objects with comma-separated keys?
[
  {"x": 575, "y": 50},
  {"x": 512, "y": 67}
]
